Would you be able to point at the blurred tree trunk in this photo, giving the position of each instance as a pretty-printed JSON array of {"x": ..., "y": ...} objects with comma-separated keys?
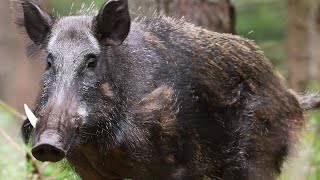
[
  {"x": 315, "y": 41},
  {"x": 215, "y": 15},
  {"x": 303, "y": 42},
  {"x": 5, "y": 46},
  {"x": 19, "y": 78}
]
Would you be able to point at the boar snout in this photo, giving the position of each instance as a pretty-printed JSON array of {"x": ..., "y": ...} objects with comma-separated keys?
[{"x": 49, "y": 147}]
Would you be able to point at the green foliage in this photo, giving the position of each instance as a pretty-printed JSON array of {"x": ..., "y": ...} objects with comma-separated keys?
[
  {"x": 314, "y": 136},
  {"x": 265, "y": 19},
  {"x": 14, "y": 164},
  {"x": 12, "y": 161},
  {"x": 60, "y": 171},
  {"x": 68, "y": 7}
]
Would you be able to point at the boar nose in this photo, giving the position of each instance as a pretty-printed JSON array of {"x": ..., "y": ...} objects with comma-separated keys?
[{"x": 49, "y": 148}]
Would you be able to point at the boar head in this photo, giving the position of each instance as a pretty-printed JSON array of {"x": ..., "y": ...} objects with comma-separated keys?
[{"x": 74, "y": 87}]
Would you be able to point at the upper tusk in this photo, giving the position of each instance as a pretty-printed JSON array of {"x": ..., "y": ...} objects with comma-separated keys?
[{"x": 32, "y": 118}]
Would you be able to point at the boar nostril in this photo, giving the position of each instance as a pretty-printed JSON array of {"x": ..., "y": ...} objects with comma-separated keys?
[{"x": 47, "y": 152}]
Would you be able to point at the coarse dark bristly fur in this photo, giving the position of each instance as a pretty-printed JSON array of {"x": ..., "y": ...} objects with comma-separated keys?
[{"x": 157, "y": 98}]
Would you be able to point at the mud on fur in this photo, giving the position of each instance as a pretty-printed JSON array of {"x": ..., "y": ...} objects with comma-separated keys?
[{"x": 156, "y": 99}]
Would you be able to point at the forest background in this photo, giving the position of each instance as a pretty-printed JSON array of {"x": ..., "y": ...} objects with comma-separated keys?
[{"x": 288, "y": 32}]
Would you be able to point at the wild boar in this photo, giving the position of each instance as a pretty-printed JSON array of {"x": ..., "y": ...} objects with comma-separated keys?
[{"x": 156, "y": 98}]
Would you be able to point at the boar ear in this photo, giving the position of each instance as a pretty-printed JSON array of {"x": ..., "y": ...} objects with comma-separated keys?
[
  {"x": 37, "y": 22},
  {"x": 112, "y": 24}
]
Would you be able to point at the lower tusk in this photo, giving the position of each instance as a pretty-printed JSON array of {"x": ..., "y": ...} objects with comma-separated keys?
[{"x": 32, "y": 118}]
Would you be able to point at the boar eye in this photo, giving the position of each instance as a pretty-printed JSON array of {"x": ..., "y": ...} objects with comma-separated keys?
[{"x": 92, "y": 62}]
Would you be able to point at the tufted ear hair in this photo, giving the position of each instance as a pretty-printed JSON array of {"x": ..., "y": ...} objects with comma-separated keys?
[
  {"x": 33, "y": 21},
  {"x": 112, "y": 24}
]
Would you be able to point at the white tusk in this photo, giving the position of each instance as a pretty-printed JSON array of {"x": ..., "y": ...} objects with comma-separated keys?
[{"x": 32, "y": 118}]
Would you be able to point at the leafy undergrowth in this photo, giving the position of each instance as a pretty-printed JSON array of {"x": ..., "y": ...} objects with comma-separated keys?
[{"x": 15, "y": 164}]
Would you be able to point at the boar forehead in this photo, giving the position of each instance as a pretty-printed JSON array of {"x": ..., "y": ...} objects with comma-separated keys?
[{"x": 72, "y": 39}]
